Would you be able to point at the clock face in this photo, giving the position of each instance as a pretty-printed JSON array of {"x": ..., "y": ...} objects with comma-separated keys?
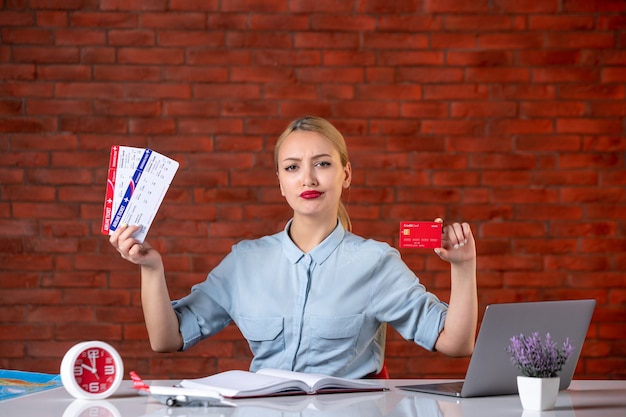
[
  {"x": 92, "y": 370},
  {"x": 95, "y": 370}
]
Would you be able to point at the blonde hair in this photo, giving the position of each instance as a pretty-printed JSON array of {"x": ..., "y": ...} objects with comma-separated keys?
[{"x": 330, "y": 132}]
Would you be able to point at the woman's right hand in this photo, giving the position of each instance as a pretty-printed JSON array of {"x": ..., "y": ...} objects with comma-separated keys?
[
  {"x": 130, "y": 249},
  {"x": 161, "y": 320}
]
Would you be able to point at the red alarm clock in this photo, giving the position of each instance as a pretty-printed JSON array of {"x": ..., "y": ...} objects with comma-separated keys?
[{"x": 92, "y": 370}]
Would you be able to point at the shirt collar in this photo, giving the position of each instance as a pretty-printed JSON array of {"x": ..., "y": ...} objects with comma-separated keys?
[{"x": 320, "y": 253}]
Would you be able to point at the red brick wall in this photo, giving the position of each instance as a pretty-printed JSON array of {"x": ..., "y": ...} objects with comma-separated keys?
[{"x": 507, "y": 114}]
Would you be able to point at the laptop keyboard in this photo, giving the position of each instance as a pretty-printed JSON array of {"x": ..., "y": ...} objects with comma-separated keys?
[
  {"x": 444, "y": 388},
  {"x": 449, "y": 387}
]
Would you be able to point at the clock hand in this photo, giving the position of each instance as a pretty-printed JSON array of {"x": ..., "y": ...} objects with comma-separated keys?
[{"x": 90, "y": 369}]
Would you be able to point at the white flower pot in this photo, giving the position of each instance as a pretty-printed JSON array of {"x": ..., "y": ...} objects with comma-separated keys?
[{"x": 538, "y": 393}]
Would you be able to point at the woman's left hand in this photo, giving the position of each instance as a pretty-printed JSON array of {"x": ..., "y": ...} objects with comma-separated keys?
[{"x": 457, "y": 243}]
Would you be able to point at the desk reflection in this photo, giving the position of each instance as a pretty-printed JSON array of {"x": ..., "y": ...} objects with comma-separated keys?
[
  {"x": 425, "y": 405},
  {"x": 583, "y": 399},
  {"x": 366, "y": 405},
  {"x": 335, "y": 405},
  {"x": 91, "y": 408}
]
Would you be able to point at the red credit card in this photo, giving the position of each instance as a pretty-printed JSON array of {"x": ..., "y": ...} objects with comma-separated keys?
[{"x": 414, "y": 234}]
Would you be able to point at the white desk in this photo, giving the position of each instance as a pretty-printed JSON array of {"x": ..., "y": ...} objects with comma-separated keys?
[{"x": 582, "y": 399}]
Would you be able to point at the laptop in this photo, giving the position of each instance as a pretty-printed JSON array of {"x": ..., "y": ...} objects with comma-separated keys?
[{"x": 490, "y": 371}]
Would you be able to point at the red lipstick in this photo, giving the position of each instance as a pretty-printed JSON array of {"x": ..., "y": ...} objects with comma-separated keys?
[{"x": 310, "y": 194}]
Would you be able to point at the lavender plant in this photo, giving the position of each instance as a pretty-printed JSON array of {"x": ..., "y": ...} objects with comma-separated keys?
[{"x": 537, "y": 359}]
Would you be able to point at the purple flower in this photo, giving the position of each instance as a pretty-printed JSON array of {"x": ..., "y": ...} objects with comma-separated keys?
[{"x": 537, "y": 359}]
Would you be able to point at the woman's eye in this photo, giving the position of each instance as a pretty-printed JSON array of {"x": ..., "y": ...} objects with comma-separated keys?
[
  {"x": 290, "y": 168},
  {"x": 323, "y": 164}
]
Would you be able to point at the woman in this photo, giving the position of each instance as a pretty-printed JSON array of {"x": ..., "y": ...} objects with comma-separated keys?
[{"x": 313, "y": 297}]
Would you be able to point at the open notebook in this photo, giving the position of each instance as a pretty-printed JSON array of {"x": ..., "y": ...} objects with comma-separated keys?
[
  {"x": 490, "y": 371},
  {"x": 277, "y": 382}
]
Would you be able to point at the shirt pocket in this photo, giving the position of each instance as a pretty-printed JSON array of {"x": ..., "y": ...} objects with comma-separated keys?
[
  {"x": 334, "y": 338},
  {"x": 264, "y": 335}
]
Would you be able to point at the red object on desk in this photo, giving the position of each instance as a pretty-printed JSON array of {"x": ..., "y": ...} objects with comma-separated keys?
[{"x": 383, "y": 374}]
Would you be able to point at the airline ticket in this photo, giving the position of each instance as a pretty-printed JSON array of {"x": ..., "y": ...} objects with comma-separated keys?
[{"x": 137, "y": 182}]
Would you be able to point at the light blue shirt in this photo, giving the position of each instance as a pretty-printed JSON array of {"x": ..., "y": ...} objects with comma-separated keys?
[{"x": 320, "y": 312}]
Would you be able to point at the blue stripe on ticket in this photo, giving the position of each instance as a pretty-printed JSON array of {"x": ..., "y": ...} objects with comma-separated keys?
[{"x": 131, "y": 189}]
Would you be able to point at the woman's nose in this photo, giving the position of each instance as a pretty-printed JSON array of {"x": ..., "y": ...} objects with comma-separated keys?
[{"x": 308, "y": 177}]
